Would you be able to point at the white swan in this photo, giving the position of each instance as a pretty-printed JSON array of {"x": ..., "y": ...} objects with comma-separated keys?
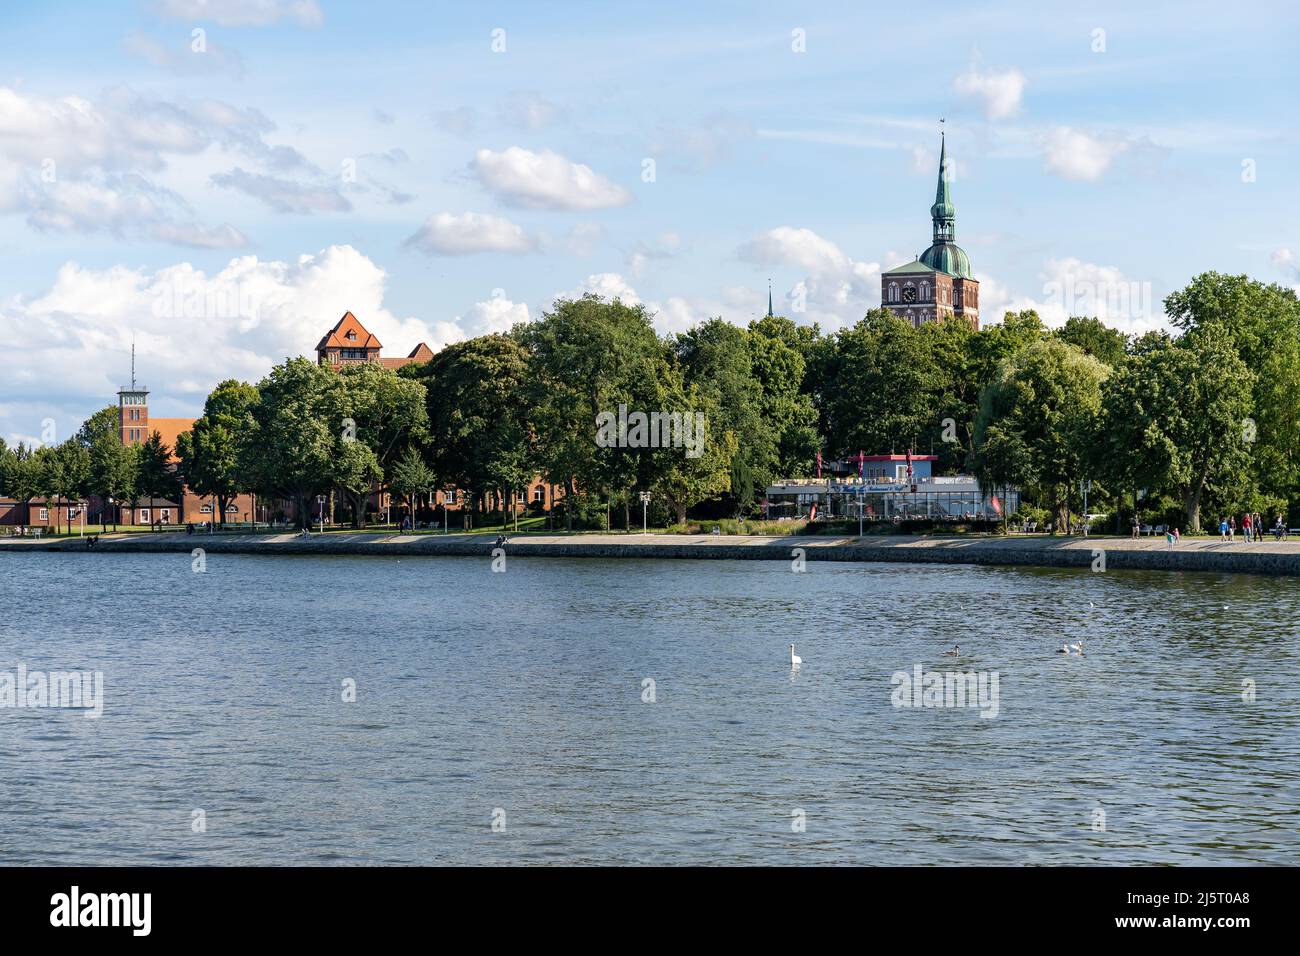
[
  {"x": 795, "y": 659},
  {"x": 955, "y": 652},
  {"x": 1071, "y": 649}
]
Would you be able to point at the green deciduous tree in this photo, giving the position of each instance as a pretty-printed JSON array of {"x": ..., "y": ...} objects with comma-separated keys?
[{"x": 1036, "y": 419}]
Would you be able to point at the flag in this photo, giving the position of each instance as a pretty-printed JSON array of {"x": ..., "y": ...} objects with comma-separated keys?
[
  {"x": 997, "y": 505},
  {"x": 862, "y": 463},
  {"x": 812, "y": 515},
  {"x": 819, "y": 464},
  {"x": 909, "y": 463}
]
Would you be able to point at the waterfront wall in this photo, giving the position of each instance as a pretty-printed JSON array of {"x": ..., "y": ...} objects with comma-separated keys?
[{"x": 1278, "y": 558}]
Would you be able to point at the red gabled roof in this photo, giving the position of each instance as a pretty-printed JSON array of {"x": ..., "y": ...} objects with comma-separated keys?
[{"x": 337, "y": 338}]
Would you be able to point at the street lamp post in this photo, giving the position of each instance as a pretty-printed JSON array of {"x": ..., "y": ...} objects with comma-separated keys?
[{"x": 645, "y": 503}]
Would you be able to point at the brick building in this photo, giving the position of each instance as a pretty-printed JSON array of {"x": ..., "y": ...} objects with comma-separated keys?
[{"x": 938, "y": 285}]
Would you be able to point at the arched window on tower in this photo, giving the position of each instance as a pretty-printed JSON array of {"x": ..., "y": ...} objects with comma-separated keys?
[
  {"x": 925, "y": 290},
  {"x": 893, "y": 292}
]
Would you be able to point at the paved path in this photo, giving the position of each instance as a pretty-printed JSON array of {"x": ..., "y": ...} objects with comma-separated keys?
[{"x": 1197, "y": 554}]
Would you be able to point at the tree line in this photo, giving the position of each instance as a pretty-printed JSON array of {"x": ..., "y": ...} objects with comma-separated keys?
[{"x": 1166, "y": 426}]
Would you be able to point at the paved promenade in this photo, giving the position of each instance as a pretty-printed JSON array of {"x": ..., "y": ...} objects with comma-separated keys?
[{"x": 1201, "y": 554}]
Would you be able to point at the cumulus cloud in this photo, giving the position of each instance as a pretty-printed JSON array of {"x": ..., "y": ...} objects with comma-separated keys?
[
  {"x": 492, "y": 316},
  {"x": 191, "y": 330},
  {"x": 836, "y": 290},
  {"x": 999, "y": 92},
  {"x": 243, "y": 13},
  {"x": 1072, "y": 286},
  {"x": 1074, "y": 154},
  {"x": 545, "y": 180},
  {"x": 284, "y": 195},
  {"x": 607, "y": 285},
  {"x": 446, "y": 234}
]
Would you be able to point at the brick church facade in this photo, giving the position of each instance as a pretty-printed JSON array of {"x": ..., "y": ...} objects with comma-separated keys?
[{"x": 938, "y": 285}]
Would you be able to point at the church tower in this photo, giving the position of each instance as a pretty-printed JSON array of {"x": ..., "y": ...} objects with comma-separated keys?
[{"x": 939, "y": 284}]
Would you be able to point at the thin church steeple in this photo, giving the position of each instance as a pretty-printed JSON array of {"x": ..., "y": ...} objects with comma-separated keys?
[
  {"x": 769, "y": 298},
  {"x": 943, "y": 213}
]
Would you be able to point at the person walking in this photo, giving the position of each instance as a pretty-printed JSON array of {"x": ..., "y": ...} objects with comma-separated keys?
[
  {"x": 1245, "y": 527},
  {"x": 1169, "y": 538},
  {"x": 1177, "y": 537},
  {"x": 1232, "y": 528},
  {"x": 1137, "y": 526},
  {"x": 1223, "y": 529},
  {"x": 1257, "y": 522}
]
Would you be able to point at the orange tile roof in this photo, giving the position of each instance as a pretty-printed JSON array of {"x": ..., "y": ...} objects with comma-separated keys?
[{"x": 336, "y": 338}]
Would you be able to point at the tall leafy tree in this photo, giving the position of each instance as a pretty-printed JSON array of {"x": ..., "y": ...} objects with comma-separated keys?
[
  {"x": 209, "y": 451},
  {"x": 588, "y": 356},
  {"x": 289, "y": 448},
  {"x": 480, "y": 416},
  {"x": 386, "y": 413},
  {"x": 1035, "y": 421},
  {"x": 1174, "y": 418},
  {"x": 157, "y": 472},
  {"x": 114, "y": 473}
]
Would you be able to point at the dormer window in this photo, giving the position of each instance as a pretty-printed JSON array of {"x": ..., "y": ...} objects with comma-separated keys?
[{"x": 351, "y": 336}]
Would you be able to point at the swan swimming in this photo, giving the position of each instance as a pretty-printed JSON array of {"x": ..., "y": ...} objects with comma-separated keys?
[
  {"x": 795, "y": 659},
  {"x": 1072, "y": 649}
]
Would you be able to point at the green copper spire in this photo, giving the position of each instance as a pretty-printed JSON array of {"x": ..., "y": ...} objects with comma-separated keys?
[
  {"x": 943, "y": 213},
  {"x": 944, "y": 255},
  {"x": 769, "y": 298}
]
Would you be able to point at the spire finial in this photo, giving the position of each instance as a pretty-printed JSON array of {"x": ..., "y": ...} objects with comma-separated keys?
[
  {"x": 769, "y": 298},
  {"x": 133, "y": 363}
]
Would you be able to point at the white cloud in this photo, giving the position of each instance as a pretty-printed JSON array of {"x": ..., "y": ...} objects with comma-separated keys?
[
  {"x": 545, "y": 180},
  {"x": 836, "y": 290},
  {"x": 607, "y": 285},
  {"x": 801, "y": 248},
  {"x": 1282, "y": 257},
  {"x": 70, "y": 345},
  {"x": 1074, "y": 287},
  {"x": 1074, "y": 154},
  {"x": 492, "y": 316},
  {"x": 1000, "y": 92},
  {"x": 243, "y": 13},
  {"x": 450, "y": 235}
]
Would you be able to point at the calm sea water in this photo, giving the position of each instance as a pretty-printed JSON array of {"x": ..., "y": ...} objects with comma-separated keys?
[{"x": 522, "y": 692}]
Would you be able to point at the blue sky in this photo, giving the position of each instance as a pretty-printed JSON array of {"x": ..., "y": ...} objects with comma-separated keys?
[{"x": 300, "y": 158}]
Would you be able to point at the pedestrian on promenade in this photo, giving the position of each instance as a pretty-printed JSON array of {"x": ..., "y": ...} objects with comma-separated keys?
[
  {"x": 1257, "y": 522},
  {"x": 1137, "y": 526},
  {"x": 1177, "y": 537},
  {"x": 1245, "y": 527},
  {"x": 1232, "y": 528},
  {"x": 1169, "y": 538},
  {"x": 1223, "y": 529}
]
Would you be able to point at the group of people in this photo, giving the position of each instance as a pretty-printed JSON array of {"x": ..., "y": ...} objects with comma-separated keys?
[{"x": 1252, "y": 528}]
